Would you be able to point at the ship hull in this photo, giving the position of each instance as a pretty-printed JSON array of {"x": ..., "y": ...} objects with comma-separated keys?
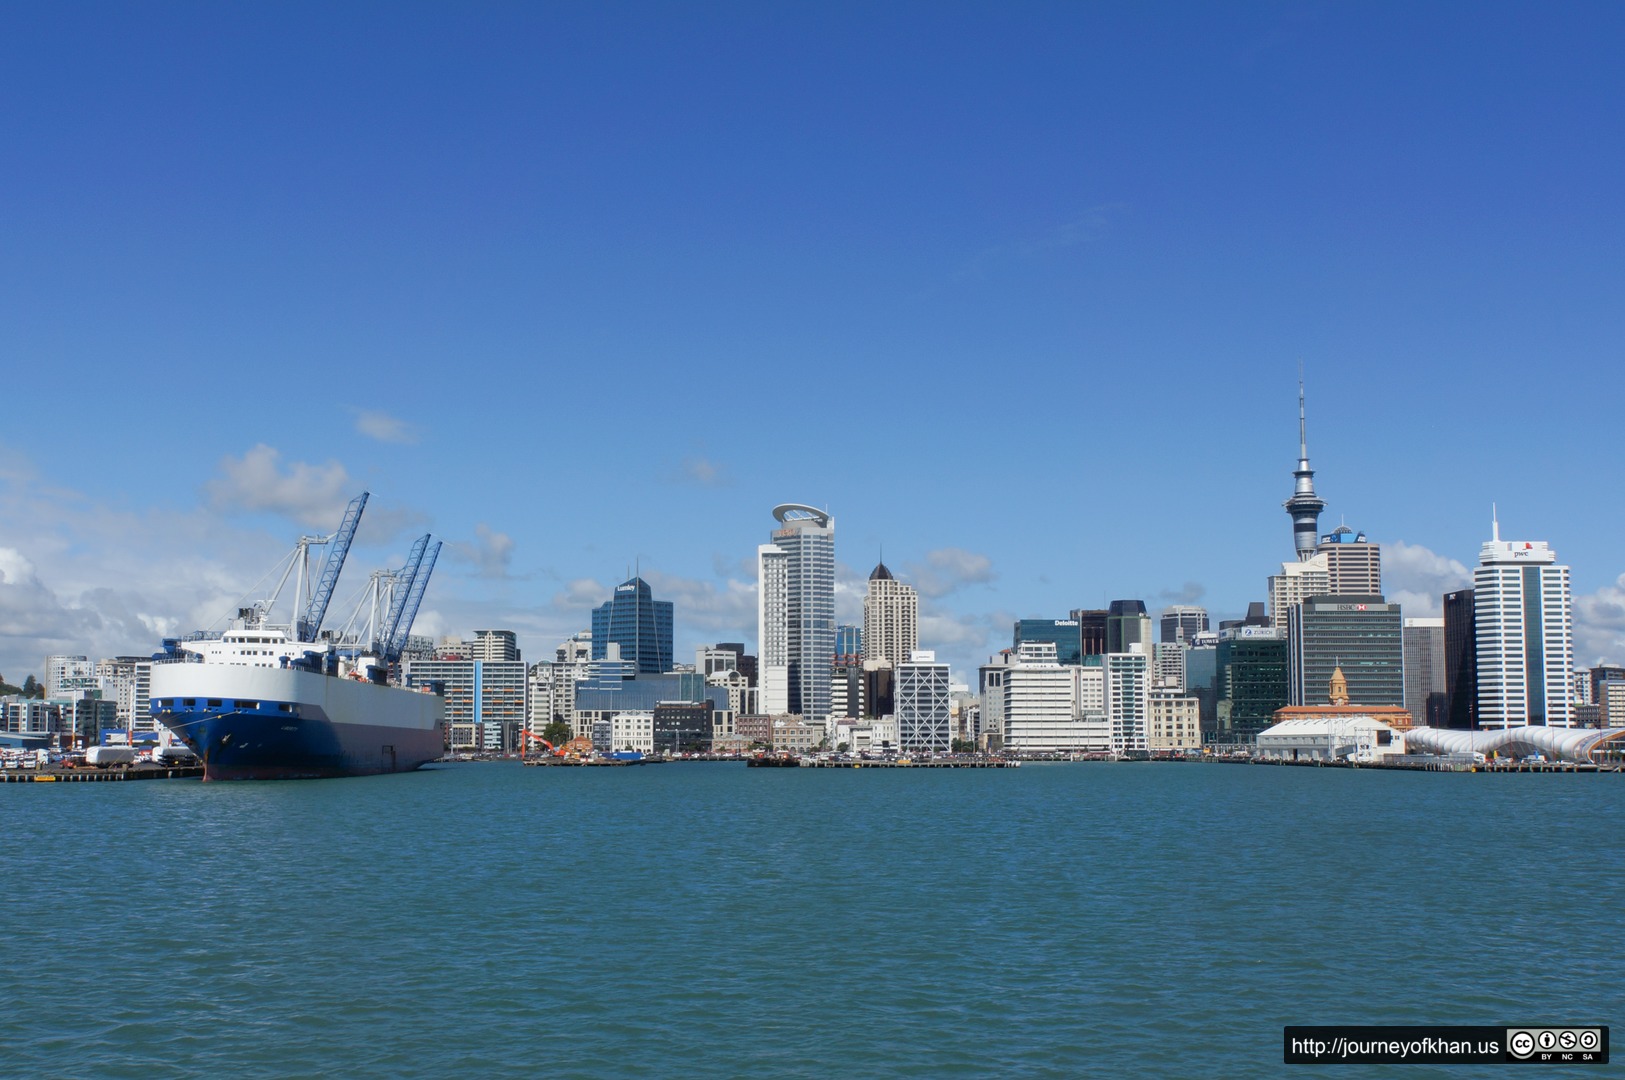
[{"x": 247, "y": 723}]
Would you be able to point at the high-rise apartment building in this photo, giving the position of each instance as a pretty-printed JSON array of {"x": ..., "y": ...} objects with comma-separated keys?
[
  {"x": 1182, "y": 622},
  {"x": 1297, "y": 581},
  {"x": 1425, "y": 671},
  {"x": 640, "y": 624},
  {"x": 1128, "y": 700},
  {"x": 891, "y": 618},
  {"x": 60, "y": 669},
  {"x": 1360, "y": 634},
  {"x": 1353, "y": 563},
  {"x": 795, "y": 614},
  {"x": 1524, "y": 629}
]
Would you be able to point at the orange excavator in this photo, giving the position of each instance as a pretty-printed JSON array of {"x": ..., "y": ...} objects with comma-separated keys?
[{"x": 575, "y": 748}]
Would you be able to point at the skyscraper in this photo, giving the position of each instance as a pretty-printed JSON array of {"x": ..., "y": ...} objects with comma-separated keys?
[
  {"x": 795, "y": 613},
  {"x": 640, "y": 624},
  {"x": 1127, "y": 624},
  {"x": 1064, "y": 634},
  {"x": 1524, "y": 624},
  {"x": 1362, "y": 635},
  {"x": 1182, "y": 622},
  {"x": 1353, "y": 563},
  {"x": 1460, "y": 661},
  {"x": 1091, "y": 629},
  {"x": 1304, "y": 506},
  {"x": 1424, "y": 671},
  {"x": 891, "y": 618}
]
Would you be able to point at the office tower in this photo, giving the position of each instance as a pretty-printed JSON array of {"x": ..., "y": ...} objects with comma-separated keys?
[
  {"x": 1524, "y": 629},
  {"x": 1460, "y": 661},
  {"x": 1127, "y": 625},
  {"x": 639, "y": 624},
  {"x": 891, "y": 618},
  {"x": 1353, "y": 563},
  {"x": 1034, "y": 696},
  {"x": 1064, "y": 634},
  {"x": 1251, "y": 680},
  {"x": 1091, "y": 629},
  {"x": 1362, "y": 635},
  {"x": 1425, "y": 671},
  {"x": 1256, "y": 616},
  {"x": 1304, "y": 506},
  {"x": 924, "y": 721},
  {"x": 1182, "y": 622},
  {"x": 1201, "y": 671},
  {"x": 1297, "y": 580},
  {"x": 795, "y": 614},
  {"x": 849, "y": 643}
]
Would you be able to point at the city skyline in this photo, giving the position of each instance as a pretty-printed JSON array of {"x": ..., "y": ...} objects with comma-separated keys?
[{"x": 1004, "y": 253}]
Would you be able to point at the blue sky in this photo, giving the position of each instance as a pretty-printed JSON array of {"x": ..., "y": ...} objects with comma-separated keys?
[{"x": 1017, "y": 292}]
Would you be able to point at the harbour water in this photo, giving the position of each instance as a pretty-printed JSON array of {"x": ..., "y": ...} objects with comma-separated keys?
[{"x": 713, "y": 920}]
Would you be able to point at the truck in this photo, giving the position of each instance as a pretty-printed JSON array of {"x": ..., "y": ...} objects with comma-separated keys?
[{"x": 104, "y": 756}]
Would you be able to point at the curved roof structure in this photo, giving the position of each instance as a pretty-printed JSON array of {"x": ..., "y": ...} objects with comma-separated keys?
[
  {"x": 880, "y": 573},
  {"x": 1553, "y": 743},
  {"x": 786, "y": 512}
]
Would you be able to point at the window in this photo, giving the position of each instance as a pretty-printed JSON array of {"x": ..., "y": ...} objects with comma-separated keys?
[{"x": 214, "y": 703}]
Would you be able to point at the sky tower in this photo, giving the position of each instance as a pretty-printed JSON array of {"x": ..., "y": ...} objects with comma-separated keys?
[{"x": 1304, "y": 506}]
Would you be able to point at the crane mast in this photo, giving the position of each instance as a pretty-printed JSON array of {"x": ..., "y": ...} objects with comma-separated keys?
[{"x": 310, "y": 622}]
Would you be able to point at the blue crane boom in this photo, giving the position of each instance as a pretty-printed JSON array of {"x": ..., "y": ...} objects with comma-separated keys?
[
  {"x": 420, "y": 582},
  {"x": 310, "y": 624},
  {"x": 403, "y": 586}
]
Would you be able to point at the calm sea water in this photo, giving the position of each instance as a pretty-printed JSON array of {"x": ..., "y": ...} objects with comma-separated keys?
[{"x": 713, "y": 920}]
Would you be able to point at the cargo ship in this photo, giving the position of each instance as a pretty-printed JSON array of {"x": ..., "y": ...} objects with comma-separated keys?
[{"x": 276, "y": 702}]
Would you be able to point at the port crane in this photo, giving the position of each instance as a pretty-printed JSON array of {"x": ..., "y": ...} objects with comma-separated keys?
[{"x": 310, "y": 624}]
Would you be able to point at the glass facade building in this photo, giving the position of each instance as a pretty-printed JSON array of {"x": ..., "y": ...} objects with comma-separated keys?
[
  {"x": 1064, "y": 634},
  {"x": 1251, "y": 681},
  {"x": 1363, "y": 635},
  {"x": 639, "y": 623}
]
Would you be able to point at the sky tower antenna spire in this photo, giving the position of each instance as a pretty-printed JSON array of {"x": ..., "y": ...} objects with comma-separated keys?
[{"x": 1304, "y": 506}]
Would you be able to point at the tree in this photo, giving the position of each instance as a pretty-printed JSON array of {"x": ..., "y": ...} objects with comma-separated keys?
[
  {"x": 963, "y": 746},
  {"x": 32, "y": 688},
  {"x": 843, "y": 748},
  {"x": 558, "y": 733}
]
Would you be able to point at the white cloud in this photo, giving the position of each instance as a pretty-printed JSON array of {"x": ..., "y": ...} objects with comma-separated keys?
[
  {"x": 490, "y": 552},
  {"x": 313, "y": 495},
  {"x": 384, "y": 427},
  {"x": 1599, "y": 625},
  {"x": 947, "y": 570},
  {"x": 1417, "y": 578},
  {"x": 582, "y": 593}
]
